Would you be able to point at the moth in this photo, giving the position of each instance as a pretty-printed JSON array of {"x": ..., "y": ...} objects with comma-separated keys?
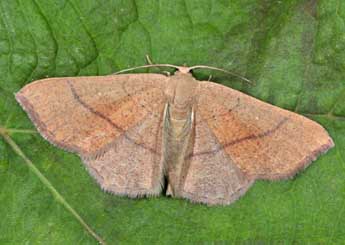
[{"x": 136, "y": 133}]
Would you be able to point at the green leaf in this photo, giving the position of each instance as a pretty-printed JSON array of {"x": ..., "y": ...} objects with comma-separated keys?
[{"x": 294, "y": 50}]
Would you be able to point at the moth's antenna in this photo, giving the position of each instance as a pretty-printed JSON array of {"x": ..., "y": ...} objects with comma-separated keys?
[
  {"x": 225, "y": 71},
  {"x": 185, "y": 69},
  {"x": 147, "y": 66}
]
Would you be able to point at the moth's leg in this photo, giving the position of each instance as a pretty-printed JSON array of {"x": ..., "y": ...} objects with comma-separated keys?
[{"x": 148, "y": 59}]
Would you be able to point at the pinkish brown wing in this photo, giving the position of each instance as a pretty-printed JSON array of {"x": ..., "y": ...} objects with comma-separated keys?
[
  {"x": 112, "y": 122},
  {"x": 262, "y": 140},
  {"x": 210, "y": 175}
]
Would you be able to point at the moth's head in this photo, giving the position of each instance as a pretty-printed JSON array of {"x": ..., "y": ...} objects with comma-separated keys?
[{"x": 183, "y": 70}]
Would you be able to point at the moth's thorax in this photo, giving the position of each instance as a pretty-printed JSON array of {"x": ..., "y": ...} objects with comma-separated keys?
[{"x": 181, "y": 92}]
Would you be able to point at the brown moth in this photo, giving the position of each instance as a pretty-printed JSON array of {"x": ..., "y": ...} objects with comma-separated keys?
[{"x": 210, "y": 142}]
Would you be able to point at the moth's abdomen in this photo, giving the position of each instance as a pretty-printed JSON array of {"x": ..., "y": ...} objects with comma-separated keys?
[{"x": 178, "y": 142}]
